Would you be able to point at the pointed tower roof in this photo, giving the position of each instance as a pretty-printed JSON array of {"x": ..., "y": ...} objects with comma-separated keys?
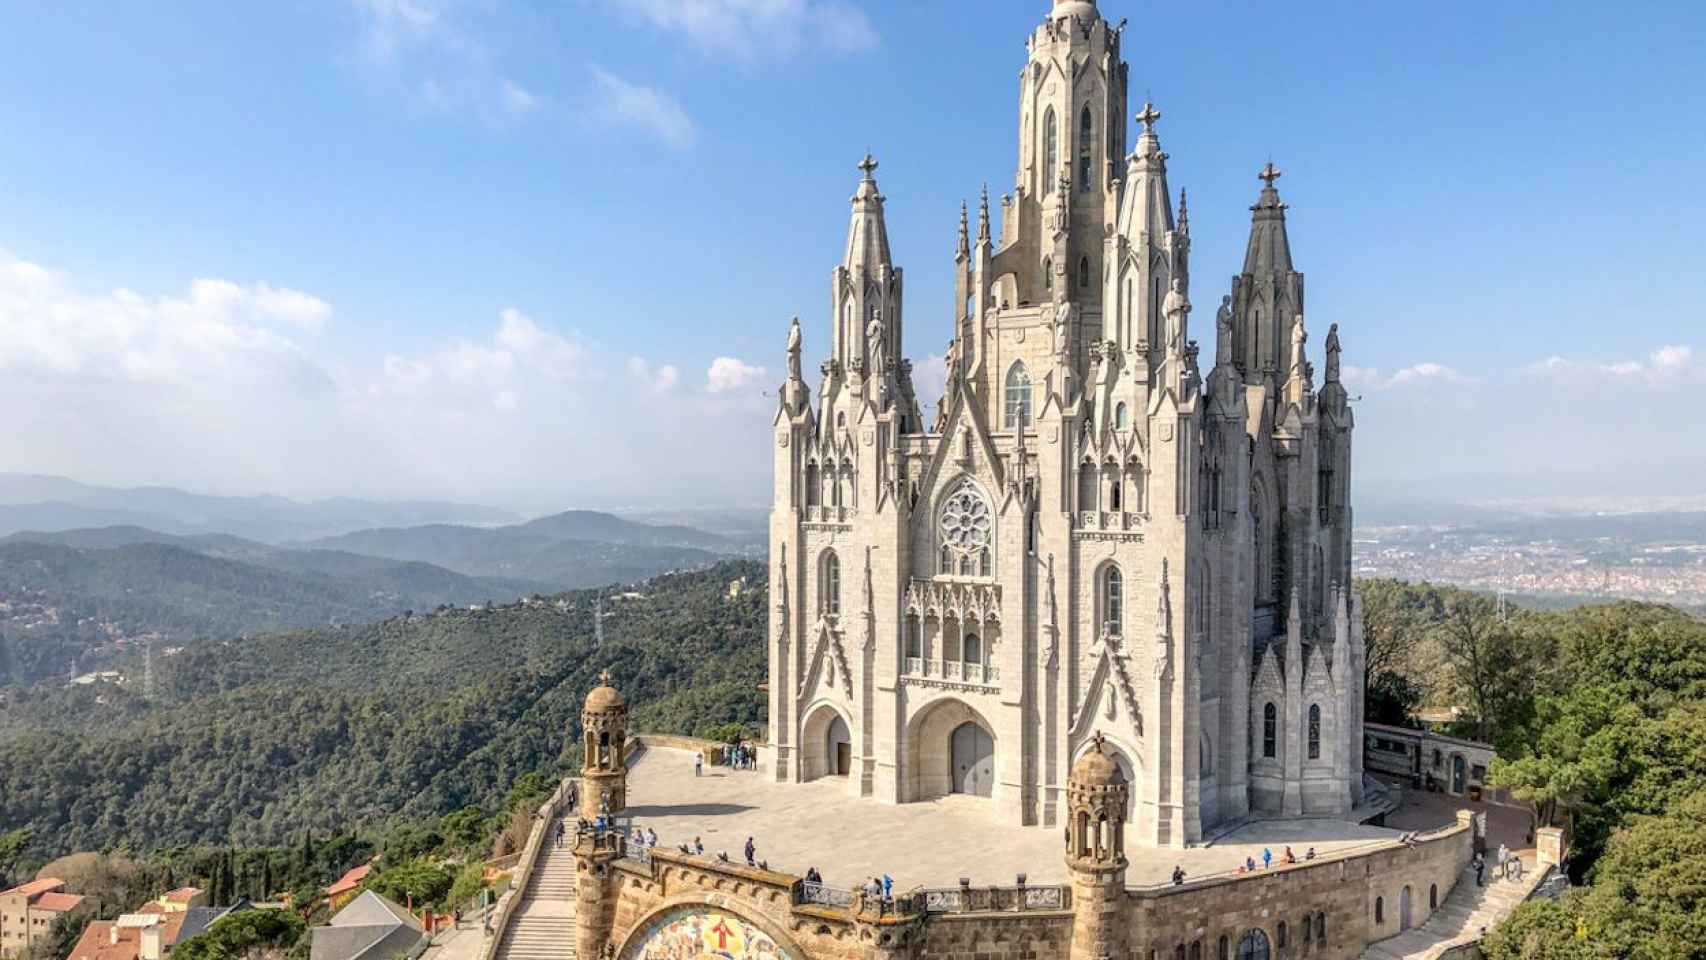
[
  {"x": 867, "y": 234},
  {"x": 962, "y": 244},
  {"x": 1269, "y": 250},
  {"x": 1145, "y": 205},
  {"x": 983, "y": 217}
]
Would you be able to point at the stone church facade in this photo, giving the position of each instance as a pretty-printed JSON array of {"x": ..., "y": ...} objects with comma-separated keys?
[{"x": 1092, "y": 534}]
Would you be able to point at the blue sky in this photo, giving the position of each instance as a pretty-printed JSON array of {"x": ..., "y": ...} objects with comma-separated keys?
[{"x": 537, "y": 253}]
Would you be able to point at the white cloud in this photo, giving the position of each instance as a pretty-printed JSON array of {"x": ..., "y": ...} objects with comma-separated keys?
[
  {"x": 519, "y": 99},
  {"x": 1370, "y": 378},
  {"x": 749, "y": 29},
  {"x": 223, "y": 386},
  {"x": 391, "y": 24},
  {"x": 643, "y": 108},
  {"x": 728, "y": 373},
  {"x": 1667, "y": 364},
  {"x": 216, "y": 330},
  {"x": 661, "y": 379}
]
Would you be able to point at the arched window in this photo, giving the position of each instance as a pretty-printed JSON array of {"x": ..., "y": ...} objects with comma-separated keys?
[
  {"x": 947, "y": 559},
  {"x": 832, "y": 480},
  {"x": 983, "y": 565},
  {"x": 1314, "y": 731},
  {"x": 1280, "y": 940},
  {"x": 973, "y": 649},
  {"x": 1048, "y": 273},
  {"x": 1196, "y": 950},
  {"x": 1116, "y": 502},
  {"x": 1439, "y": 759},
  {"x": 1306, "y": 927},
  {"x": 1321, "y": 928},
  {"x": 1113, "y": 600},
  {"x": 1224, "y": 950},
  {"x": 1253, "y": 945},
  {"x": 1086, "y": 128},
  {"x": 1119, "y": 416},
  {"x": 1179, "y": 951},
  {"x": 1087, "y": 486},
  {"x": 1084, "y": 273},
  {"x": 1258, "y": 547},
  {"x": 1270, "y": 731},
  {"x": 914, "y": 637},
  {"x": 813, "y": 491},
  {"x": 1018, "y": 396},
  {"x": 1051, "y": 152},
  {"x": 830, "y": 585},
  {"x": 1379, "y": 910},
  {"x": 1433, "y": 897}
]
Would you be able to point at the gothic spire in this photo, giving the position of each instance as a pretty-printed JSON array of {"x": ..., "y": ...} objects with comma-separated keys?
[
  {"x": 962, "y": 246},
  {"x": 1146, "y": 206},
  {"x": 1269, "y": 250},
  {"x": 983, "y": 216},
  {"x": 867, "y": 234}
]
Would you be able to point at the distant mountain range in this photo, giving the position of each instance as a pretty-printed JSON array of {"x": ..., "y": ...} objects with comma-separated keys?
[
  {"x": 75, "y": 598},
  {"x": 32, "y": 502}
]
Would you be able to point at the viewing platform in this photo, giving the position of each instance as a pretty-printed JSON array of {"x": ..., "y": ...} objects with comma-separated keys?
[{"x": 932, "y": 843}]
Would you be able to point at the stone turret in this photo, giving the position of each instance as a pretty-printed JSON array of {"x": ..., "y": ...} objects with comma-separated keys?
[
  {"x": 604, "y": 779},
  {"x": 604, "y": 732},
  {"x": 1097, "y": 795}
]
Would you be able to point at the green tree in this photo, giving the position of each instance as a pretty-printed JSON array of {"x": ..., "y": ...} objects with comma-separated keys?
[
  {"x": 241, "y": 934},
  {"x": 12, "y": 846},
  {"x": 470, "y": 880},
  {"x": 417, "y": 883}
]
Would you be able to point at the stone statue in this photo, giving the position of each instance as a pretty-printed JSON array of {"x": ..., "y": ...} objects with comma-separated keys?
[
  {"x": 1223, "y": 332},
  {"x": 877, "y": 343},
  {"x": 1063, "y": 329},
  {"x": 794, "y": 350},
  {"x": 1333, "y": 354},
  {"x": 1174, "y": 308}
]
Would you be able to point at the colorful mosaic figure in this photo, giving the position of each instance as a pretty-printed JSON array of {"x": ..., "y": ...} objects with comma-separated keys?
[{"x": 698, "y": 934}]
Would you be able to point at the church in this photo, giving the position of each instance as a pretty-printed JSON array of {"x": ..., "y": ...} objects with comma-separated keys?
[{"x": 1091, "y": 539}]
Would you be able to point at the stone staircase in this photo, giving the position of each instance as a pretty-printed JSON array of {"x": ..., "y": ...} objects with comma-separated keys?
[
  {"x": 543, "y": 928},
  {"x": 1460, "y": 919}
]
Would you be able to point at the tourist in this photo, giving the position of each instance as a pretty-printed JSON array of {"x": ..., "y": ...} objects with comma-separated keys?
[
  {"x": 888, "y": 887},
  {"x": 651, "y": 837},
  {"x": 1289, "y": 856},
  {"x": 1480, "y": 868},
  {"x": 1178, "y": 875},
  {"x": 698, "y": 846},
  {"x": 1249, "y": 865},
  {"x": 1267, "y": 858},
  {"x": 1310, "y": 855},
  {"x": 751, "y": 848},
  {"x": 1503, "y": 862},
  {"x": 559, "y": 833},
  {"x": 698, "y": 764}
]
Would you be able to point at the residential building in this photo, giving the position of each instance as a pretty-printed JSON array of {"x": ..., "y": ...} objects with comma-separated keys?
[{"x": 27, "y": 913}]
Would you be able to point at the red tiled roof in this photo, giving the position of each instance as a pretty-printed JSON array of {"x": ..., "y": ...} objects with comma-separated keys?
[
  {"x": 56, "y": 901},
  {"x": 96, "y": 943},
  {"x": 350, "y": 880},
  {"x": 181, "y": 895},
  {"x": 35, "y": 887}
]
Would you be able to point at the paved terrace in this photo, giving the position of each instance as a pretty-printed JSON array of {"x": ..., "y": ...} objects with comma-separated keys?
[{"x": 931, "y": 844}]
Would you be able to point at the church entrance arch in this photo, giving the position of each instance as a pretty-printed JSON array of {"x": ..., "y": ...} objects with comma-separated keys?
[
  {"x": 839, "y": 750},
  {"x": 972, "y": 764},
  {"x": 826, "y": 743},
  {"x": 950, "y": 748}
]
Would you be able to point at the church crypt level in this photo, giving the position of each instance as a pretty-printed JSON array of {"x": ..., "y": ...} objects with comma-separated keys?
[{"x": 1089, "y": 535}]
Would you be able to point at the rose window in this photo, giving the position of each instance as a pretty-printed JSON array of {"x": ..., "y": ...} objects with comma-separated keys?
[{"x": 966, "y": 532}]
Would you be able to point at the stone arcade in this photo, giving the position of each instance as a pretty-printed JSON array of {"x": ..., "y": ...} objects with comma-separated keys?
[{"x": 1089, "y": 534}]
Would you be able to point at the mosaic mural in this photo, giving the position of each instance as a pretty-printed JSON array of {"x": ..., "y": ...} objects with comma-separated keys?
[{"x": 699, "y": 933}]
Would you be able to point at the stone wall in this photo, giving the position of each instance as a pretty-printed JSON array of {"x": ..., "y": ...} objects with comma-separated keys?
[{"x": 1337, "y": 895}]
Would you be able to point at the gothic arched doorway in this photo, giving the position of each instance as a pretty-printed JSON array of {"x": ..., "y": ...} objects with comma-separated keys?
[
  {"x": 839, "y": 748},
  {"x": 972, "y": 760}
]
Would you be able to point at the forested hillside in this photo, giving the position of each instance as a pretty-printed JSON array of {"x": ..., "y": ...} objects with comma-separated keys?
[
  {"x": 335, "y": 729},
  {"x": 84, "y": 606}
]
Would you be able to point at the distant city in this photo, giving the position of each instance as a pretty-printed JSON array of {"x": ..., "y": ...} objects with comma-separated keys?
[{"x": 1549, "y": 559}]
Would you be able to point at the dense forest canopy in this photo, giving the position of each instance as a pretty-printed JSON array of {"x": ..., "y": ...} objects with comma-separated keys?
[{"x": 254, "y": 741}]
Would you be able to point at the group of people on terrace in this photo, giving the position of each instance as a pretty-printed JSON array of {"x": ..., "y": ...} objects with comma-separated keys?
[{"x": 1249, "y": 864}]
